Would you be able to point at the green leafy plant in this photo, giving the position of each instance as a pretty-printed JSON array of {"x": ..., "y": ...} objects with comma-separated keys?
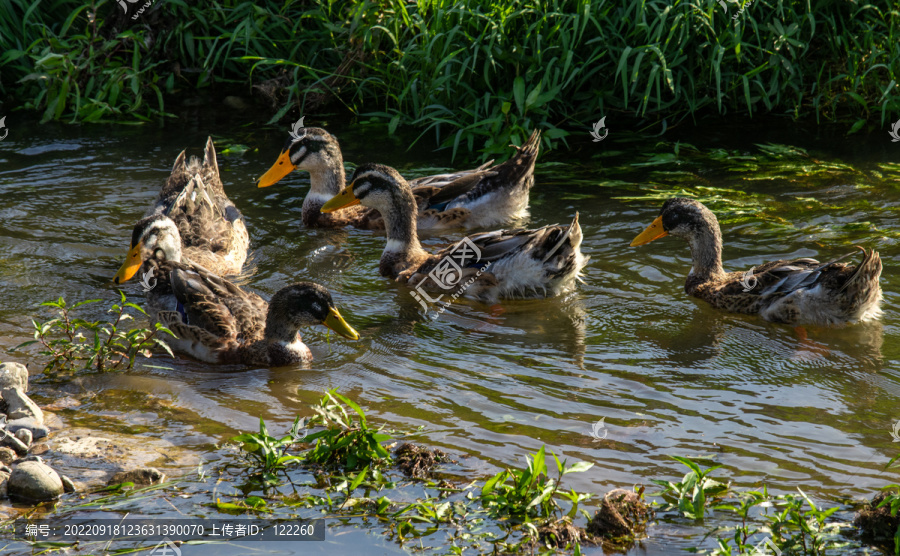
[
  {"x": 801, "y": 527},
  {"x": 267, "y": 453},
  {"x": 891, "y": 501},
  {"x": 795, "y": 526},
  {"x": 77, "y": 344},
  {"x": 694, "y": 492},
  {"x": 530, "y": 493},
  {"x": 345, "y": 442},
  {"x": 474, "y": 74}
]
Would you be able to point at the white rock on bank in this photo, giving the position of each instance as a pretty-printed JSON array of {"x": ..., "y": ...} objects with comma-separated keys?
[
  {"x": 25, "y": 436},
  {"x": 13, "y": 375},
  {"x": 19, "y": 406},
  {"x": 10, "y": 441}
]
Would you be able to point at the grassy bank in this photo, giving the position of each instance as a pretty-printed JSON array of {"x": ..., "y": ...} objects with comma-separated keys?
[
  {"x": 338, "y": 466},
  {"x": 474, "y": 75}
]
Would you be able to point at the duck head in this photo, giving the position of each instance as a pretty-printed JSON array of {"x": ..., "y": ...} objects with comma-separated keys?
[
  {"x": 303, "y": 304},
  {"x": 317, "y": 152},
  {"x": 154, "y": 236}
]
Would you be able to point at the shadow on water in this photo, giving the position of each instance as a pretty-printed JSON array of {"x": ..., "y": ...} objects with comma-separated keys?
[{"x": 668, "y": 374}]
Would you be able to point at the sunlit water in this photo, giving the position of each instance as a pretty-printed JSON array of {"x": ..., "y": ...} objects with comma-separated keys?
[{"x": 669, "y": 375}]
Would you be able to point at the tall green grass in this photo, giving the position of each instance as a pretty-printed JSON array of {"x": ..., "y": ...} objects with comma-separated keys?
[{"x": 474, "y": 75}]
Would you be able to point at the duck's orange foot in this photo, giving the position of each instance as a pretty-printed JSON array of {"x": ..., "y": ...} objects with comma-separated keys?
[
  {"x": 497, "y": 310},
  {"x": 811, "y": 349}
]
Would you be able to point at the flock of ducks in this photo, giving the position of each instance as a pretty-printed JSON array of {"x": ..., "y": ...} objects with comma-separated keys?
[{"x": 194, "y": 238}]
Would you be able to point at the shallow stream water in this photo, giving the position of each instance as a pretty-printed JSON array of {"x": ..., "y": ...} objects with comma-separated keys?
[{"x": 667, "y": 374}]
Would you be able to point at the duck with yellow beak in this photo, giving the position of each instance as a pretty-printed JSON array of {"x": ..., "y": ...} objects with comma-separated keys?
[
  {"x": 218, "y": 322},
  {"x": 489, "y": 266},
  {"x": 484, "y": 196},
  {"x": 192, "y": 220},
  {"x": 799, "y": 291}
]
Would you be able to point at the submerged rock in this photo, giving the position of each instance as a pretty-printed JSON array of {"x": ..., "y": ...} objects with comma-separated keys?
[
  {"x": 622, "y": 514},
  {"x": 13, "y": 375},
  {"x": 876, "y": 525},
  {"x": 140, "y": 477},
  {"x": 417, "y": 461},
  {"x": 37, "y": 429},
  {"x": 34, "y": 481},
  {"x": 18, "y": 405}
]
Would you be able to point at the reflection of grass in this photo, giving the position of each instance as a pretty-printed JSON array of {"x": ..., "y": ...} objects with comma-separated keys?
[{"x": 725, "y": 181}]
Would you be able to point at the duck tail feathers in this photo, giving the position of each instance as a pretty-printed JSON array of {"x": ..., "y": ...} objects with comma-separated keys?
[{"x": 573, "y": 228}]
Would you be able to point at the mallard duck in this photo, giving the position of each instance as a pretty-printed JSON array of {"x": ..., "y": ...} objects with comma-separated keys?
[
  {"x": 799, "y": 291},
  {"x": 482, "y": 197},
  {"x": 492, "y": 265},
  {"x": 199, "y": 222},
  {"x": 218, "y": 322}
]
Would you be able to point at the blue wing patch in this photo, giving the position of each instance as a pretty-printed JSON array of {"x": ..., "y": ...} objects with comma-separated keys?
[{"x": 180, "y": 308}]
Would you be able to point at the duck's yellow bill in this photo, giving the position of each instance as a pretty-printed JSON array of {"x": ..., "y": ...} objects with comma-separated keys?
[
  {"x": 131, "y": 265},
  {"x": 282, "y": 167},
  {"x": 336, "y": 322},
  {"x": 345, "y": 198},
  {"x": 653, "y": 231}
]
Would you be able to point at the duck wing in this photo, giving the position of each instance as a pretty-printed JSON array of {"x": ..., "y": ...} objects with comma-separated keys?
[
  {"x": 436, "y": 192},
  {"x": 780, "y": 278},
  {"x": 801, "y": 290},
  {"x": 218, "y": 306},
  {"x": 516, "y": 172},
  {"x": 455, "y": 190},
  {"x": 477, "y": 249}
]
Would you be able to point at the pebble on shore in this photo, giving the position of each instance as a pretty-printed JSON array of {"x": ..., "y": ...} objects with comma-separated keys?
[{"x": 34, "y": 481}]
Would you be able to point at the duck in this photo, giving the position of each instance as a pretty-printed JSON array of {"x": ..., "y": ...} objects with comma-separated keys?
[
  {"x": 202, "y": 225},
  {"x": 488, "y": 266},
  {"x": 216, "y": 321},
  {"x": 796, "y": 292},
  {"x": 486, "y": 196}
]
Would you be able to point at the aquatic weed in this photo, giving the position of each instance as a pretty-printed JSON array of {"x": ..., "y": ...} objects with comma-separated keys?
[
  {"x": 267, "y": 453},
  {"x": 530, "y": 492},
  {"x": 345, "y": 442},
  {"x": 795, "y": 526},
  {"x": 78, "y": 344},
  {"x": 694, "y": 492}
]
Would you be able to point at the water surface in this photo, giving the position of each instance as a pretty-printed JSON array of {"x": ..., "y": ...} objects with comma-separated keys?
[{"x": 669, "y": 375}]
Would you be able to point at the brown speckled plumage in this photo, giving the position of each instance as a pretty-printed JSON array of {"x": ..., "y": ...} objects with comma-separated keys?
[
  {"x": 800, "y": 291},
  {"x": 484, "y": 196},
  {"x": 502, "y": 264},
  {"x": 211, "y": 229},
  {"x": 221, "y": 323}
]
